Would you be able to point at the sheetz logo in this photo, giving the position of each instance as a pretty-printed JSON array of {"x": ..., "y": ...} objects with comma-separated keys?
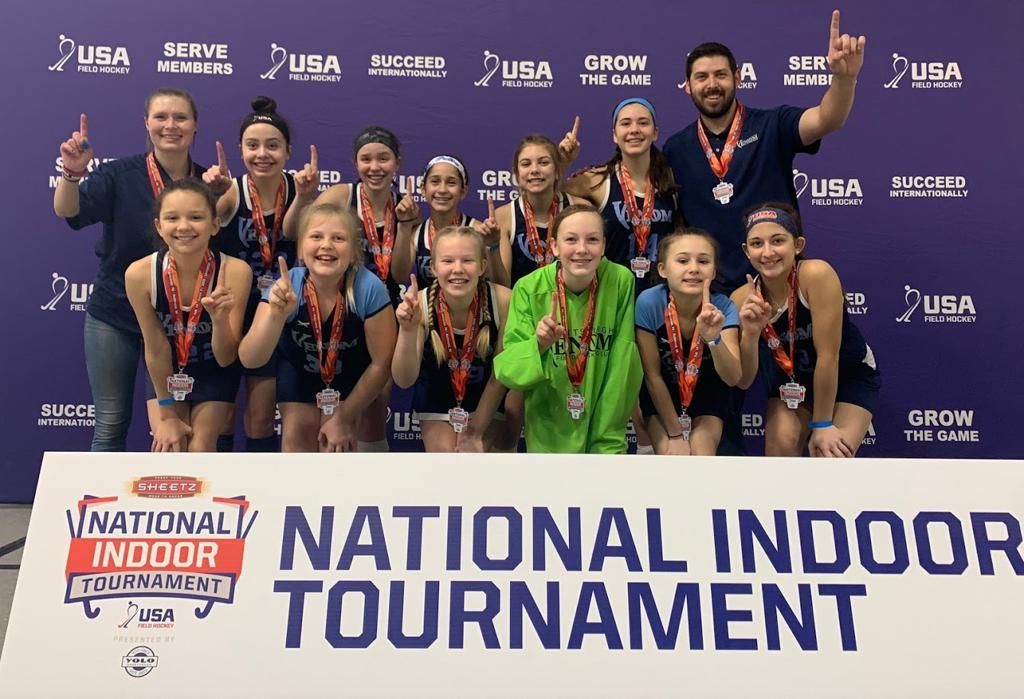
[
  {"x": 807, "y": 70},
  {"x": 182, "y": 545},
  {"x": 308, "y": 67},
  {"x": 516, "y": 73},
  {"x": 398, "y": 66},
  {"x": 941, "y": 426},
  {"x": 197, "y": 59},
  {"x": 928, "y": 186},
  {"x": 938, "y": 308},
  {"x": 829, "y": 191},
  {"x": 606, "y": 69},
  {"x": 91, "y": 58},
  {"x": 933, "y": 75}
]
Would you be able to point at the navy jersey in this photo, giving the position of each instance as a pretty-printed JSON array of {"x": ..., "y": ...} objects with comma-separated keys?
[
  {"x": 620, "y": 245},
  {"x": 433, "y": 395},
  {"x": 118, "y": 194},
  {"x": 421, "y": 261},
  {"x": 238, "y": 237},
  {"x": 522, "y": 259},
  {"x": 761, "y": 170},
  {"x": 212, "y": 381},
  {"x": 297, "y": 346},
  {"x": 853, "y": 350},
  {"x": 710, "y": 395},
  {"x": 356, "y": 204}
]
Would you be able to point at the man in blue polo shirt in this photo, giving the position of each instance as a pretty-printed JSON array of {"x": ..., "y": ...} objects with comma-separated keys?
[{"x": 735, "y": 157}]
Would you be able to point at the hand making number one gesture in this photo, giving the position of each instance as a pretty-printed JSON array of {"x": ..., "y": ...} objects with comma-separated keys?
[
  {"x": 218, "y": 177},
  {"x": 549, "y": 328},
  {"x": 76, "y": 152},
  {"x": 221, "y": 300},
  {"x": 845, "y": 52},
  {"x": 307, "y": 180},
  {"x": 282, "y": 296},
  {"x": 569, "y": 147},
  {"x": 710, "y": 320},
  {"x": 755, "y": 311},
  {"x": 408, "y": 312}
]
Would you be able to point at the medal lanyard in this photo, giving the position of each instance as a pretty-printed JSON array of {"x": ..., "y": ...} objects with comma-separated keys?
[
  {"x": 577, "y": 366},
  {"x": 641, "y": 222},
  {"x": 156, "y": 180},
  {"x": 686, "y": 374},
  {"x": 721, "y": 166},
  {"x": 537, "y": 248},
  {"x": 458, "y": 362},
  {"x": 456, "y": 220},
  {"x": 268, "y": 241},
  {"x": 184, "y": 335},
  {"x": 327, "y": 364},
  {"x": 784, "y": 361},
  {"x": 380, "y": 245}
]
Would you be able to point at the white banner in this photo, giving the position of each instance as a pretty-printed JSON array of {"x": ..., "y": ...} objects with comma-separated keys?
[{"x": 457, "y": 575}]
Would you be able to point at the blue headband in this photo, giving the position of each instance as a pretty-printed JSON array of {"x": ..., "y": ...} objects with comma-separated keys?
[
  {"x": 768, "y": 214},
  {"x": 633, "y": 100}
]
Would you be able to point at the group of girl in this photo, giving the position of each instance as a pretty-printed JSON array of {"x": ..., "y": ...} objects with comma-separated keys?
[{"x": 578, "y": 305}]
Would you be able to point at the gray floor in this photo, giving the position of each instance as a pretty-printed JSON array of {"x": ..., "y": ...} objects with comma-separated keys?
[{"x": 13, "y": 525}]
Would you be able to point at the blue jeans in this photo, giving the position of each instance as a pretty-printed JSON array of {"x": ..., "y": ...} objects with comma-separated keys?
[{"x": 111, "y": 359}]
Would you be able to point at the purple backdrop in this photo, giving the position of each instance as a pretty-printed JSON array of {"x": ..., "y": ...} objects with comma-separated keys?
[{"x": 923, "y": 270}]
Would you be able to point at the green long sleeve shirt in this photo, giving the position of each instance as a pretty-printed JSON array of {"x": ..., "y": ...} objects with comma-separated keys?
[{"x": 613, "y": 375}]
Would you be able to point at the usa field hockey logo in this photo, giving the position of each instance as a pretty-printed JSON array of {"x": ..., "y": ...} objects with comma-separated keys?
[{"x": 167, "y": 540}]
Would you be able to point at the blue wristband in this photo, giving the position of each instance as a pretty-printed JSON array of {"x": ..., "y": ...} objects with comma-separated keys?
[
  {"x": 822, "y": 424},
  {"x": 163, "y": 402}
]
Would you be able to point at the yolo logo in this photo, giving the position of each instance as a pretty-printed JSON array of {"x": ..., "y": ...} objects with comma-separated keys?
[
  {"x": 91, "y": 58},
  {"x": 935, "y": 74},
  {"x": 938, "y": 308},
  {"x": 516, "y": 73},
  {"x": 308, "y": 67}
]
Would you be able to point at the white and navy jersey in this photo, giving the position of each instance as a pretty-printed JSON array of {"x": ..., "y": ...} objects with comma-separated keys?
[
  {"x": 620, "y": 241},
  {"x": 200, "y": 356},
  {"x": 297, "y": 345},
  {"x": 424, "y": 275},
  {"x": 355, "y": 203},
  {"x": 238, "y": 236},
  {"x": 710, "y": 389},
  {"x": 853, "y": 350},
  {"x": 433, "y": 395},
  {"x": 522, "y": 259}
]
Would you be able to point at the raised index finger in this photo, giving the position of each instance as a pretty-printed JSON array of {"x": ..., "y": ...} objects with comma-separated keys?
[
  {"x": 490, "y": 208},
  {"x": 414, "y": 287},
  {"x": 313, "y": 158},
  {"x": 283, "y": 267},
  {"x": 410, "y": 185},
  {"x": 83, "y": 126},
  {"x": 220, "y": 275},
  {"x": 222, "y": 159},
  {"x": 833, "y": 34},
  {"x": 576, "y": 126},
  {"x": 707, "y": 291},
  {"x": 554, "y": 307}
]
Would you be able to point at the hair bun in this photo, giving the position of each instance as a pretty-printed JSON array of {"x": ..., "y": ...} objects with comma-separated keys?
[{"x": 264, "y": 104}]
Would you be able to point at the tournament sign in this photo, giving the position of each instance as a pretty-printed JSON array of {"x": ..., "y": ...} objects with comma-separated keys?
[{"x": 441, "y": 575}]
